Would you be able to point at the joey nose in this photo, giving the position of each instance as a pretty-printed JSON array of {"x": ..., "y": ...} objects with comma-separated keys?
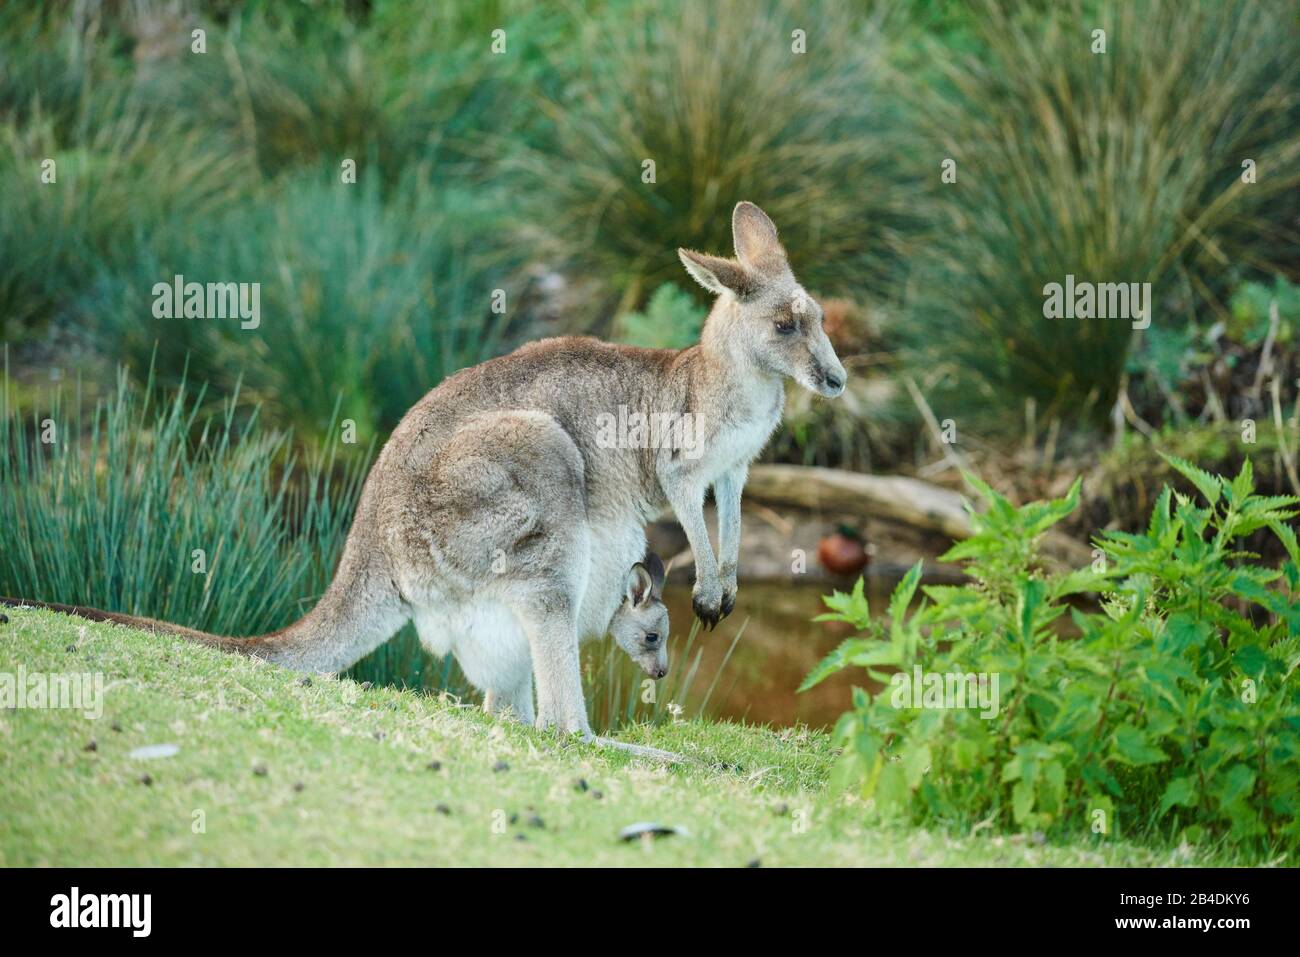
[{"x": 833, "y": 382}]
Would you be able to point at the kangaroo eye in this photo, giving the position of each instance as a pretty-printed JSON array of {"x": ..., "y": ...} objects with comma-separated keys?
[
  {"x": 651, "y": 638},
  {"x": 786, "y": 326}
]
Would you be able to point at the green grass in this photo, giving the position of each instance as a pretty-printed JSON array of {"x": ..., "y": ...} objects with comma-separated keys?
[{"x": 367, "y": 795}]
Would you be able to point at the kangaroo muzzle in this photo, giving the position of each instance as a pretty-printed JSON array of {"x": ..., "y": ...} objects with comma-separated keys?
[
  {"x": 828, "y": 375},
  {"x": 656, "y": 666}
]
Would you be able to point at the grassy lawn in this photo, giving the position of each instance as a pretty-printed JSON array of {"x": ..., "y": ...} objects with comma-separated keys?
[{"x": 285, "y": 770}]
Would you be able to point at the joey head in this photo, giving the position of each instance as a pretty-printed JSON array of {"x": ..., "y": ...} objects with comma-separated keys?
[{"x": 640, "y": 626}]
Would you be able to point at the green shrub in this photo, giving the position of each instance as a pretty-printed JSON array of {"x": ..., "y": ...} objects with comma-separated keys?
[
  {"x": 1251, "y": 307},
  {"x": 715, "y": 97},
  {"x": 1123, "y": 166},
  {"x": 672, "y": 319},
  {"x": 372, "y": 301},
  {"x": 403, "y": 84},
  {"x": 153, "y": 143},
  {"x": 1173, "y": 710},
  {"x": 122, "y": 166},
  {"x": 47, "y": 72}
]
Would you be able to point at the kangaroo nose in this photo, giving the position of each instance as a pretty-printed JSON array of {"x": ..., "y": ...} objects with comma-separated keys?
[
  {"x": 833, "y": 381},
  {"x": 660, "y": 672}
]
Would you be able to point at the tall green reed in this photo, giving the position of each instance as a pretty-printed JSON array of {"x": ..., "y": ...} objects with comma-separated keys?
[{"x": 150, "y": 508}]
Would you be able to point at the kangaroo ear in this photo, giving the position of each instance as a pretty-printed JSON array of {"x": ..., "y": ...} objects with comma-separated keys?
[
  {"x": 754, "y": 234},
  {"x": 716, "y": 274},
  {"x": 639, "y": 584},
  {"x": 655, "y": 566}
]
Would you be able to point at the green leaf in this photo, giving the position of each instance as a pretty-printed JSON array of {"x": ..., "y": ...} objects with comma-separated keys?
[
  {"x": 1236, "y": 785},
  {"x": 1022, "y": 801},
  {"x": 1031, "y": 597},
  {"x": 1181, "y": 792},
  {"x": 847, "y": 774},
  {"x": 877, "y": 653},
  {"x": 915, "y": 762},
  {"x": 1286, "y": 535},
  {"x": 837, "y": 660},
  {"x": 1037, "y": 517},
  {"x": 1079, "y": 581},
  {"x": 901, "y": 599},
  {"x": 892, "y": 793},
  {"x": 1208, "y": 485},
  {"x": 986, "y": 492},
  {"x": 1132, "y": 747},
  {"x": 851, "y": 607},
  {"x": 1180, "y": 633},
  {"x": 1159, "y": 523},
  {"x": 1244, "y": 483},
  {"x": 1252, "y": 660}
]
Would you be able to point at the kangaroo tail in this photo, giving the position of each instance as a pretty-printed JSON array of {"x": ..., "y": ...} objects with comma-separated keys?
[
  {"x": 339, "y": 631},
  {"x": 260, "y": 646},
  {"x": 134, "y": 621}
]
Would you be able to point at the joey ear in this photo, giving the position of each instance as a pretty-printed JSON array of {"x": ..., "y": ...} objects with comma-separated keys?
[
  {"x": 655, "y": 566},
  {"x": 716, "y": 274},
  {"x": 639, "y": 584},
  {"x": 754, "y": 235}
]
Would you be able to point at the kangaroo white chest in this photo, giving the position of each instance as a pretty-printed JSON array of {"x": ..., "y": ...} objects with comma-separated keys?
[{"x": 744, "y": 429}]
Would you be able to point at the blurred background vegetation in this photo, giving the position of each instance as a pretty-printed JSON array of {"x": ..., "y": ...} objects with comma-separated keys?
[{"x": 521, "y": 171}]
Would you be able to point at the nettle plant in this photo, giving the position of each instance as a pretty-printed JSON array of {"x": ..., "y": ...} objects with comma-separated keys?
[{"x": 1173, "y": 710}]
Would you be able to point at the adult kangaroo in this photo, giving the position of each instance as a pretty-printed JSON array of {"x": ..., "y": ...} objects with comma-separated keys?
[{"x": 502, "y": 522}]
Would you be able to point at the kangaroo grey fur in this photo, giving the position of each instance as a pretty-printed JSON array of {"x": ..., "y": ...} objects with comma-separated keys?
[{"x": 495, "y": 520}]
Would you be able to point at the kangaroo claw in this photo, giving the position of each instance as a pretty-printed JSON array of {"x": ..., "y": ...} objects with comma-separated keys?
[
  {"x": 728, "y": 603},
  {"x": 708, "y": 615}
]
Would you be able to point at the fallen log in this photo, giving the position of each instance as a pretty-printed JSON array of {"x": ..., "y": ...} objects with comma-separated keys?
[
  {"x": 895, "y": 497},
  {"x": 891, "y": 497}
]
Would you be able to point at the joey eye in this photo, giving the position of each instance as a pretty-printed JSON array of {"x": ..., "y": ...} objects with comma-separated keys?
[
  {"x": 652, "y": 638},
  {"x": 786, "y": 326}
]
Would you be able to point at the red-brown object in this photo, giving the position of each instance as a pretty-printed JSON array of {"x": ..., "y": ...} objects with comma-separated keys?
[{"x": 843, "y": 553}]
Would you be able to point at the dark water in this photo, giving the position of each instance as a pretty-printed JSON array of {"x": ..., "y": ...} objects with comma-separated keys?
[{"x": 779, "y": 646}]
